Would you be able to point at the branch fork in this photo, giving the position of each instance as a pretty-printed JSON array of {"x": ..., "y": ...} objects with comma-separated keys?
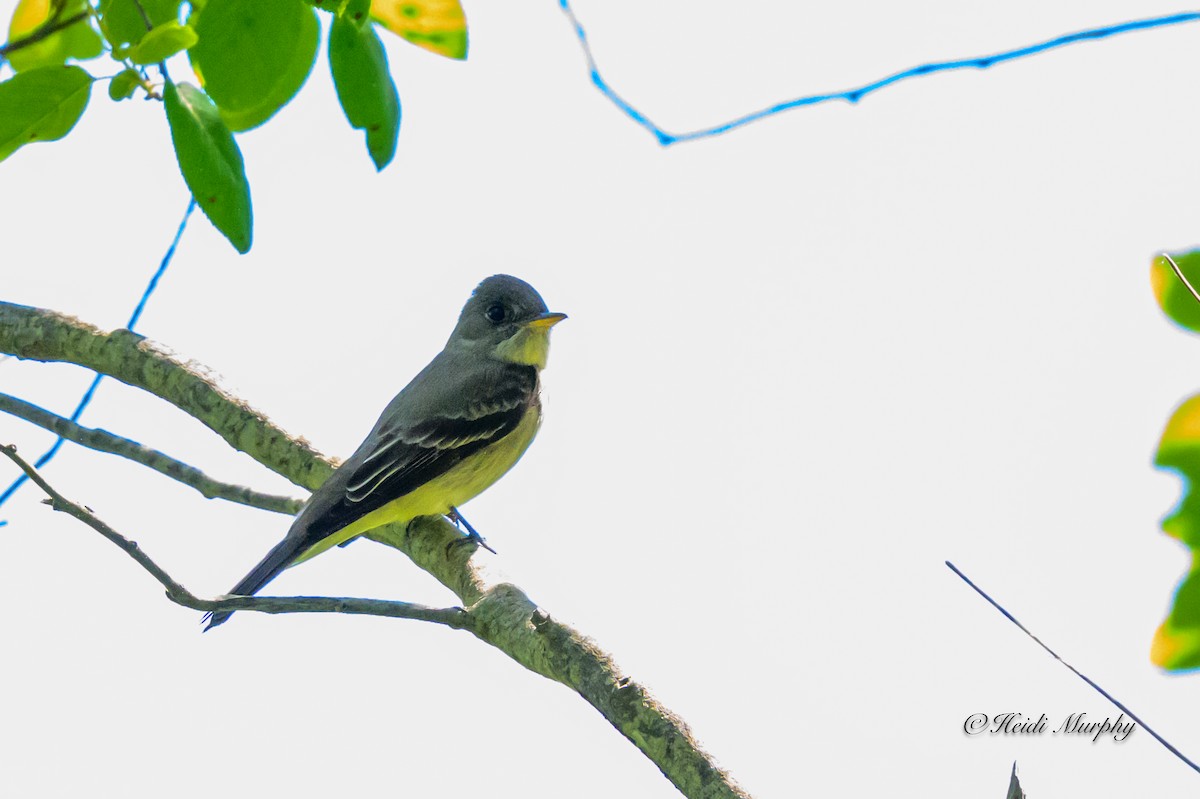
[{"x": 496, "y": 612}]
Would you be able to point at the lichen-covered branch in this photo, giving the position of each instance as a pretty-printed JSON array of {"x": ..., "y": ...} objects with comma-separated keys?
[
  {"x": 41, "y": 335},
  {"x": 104, "y": 441},
  {"x": 499, "y": 613},
  {"x": 506, "y": 618}
]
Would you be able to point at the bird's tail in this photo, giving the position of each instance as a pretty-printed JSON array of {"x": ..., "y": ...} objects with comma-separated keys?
[{"x": 267, "y": 570}]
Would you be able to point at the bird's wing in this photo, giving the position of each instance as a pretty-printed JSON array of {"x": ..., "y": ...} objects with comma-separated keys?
[
  {"x": 408, "y": 447},
  {"x": 403, "y": 454}
]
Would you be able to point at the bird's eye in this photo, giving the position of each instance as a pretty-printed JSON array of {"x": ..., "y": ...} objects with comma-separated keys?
[{"x": 495, "y": 313}]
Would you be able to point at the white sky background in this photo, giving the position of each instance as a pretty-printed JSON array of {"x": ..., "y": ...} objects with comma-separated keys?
[{"x": 806, "y": 363}]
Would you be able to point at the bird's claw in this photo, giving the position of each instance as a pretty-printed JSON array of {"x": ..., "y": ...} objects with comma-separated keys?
[
  {"x": 472, "y": 537},
  {"x": 467, "y": 540}
]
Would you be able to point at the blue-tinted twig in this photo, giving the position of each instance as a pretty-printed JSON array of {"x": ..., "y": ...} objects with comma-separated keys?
[
  {"x": 666, "y": 138},
  {"x": 88, "y": 395}
]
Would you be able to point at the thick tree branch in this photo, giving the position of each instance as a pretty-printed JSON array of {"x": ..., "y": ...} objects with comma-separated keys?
[
  {"x": 501, "y": 613},
  {"x": 104, "y": 441},
  {"x": 451, "y": 617},
  {"x": 40, "y": 335}
]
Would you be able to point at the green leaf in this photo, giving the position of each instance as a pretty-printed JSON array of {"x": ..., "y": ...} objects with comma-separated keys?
[
  {"x": 1177, "y": 642},
  {"x": 210, "y": 162},
  {"x": 358, "y": 11},
  {"x": 1176, "y": 645},
  {"x": 41, "y": 105},
  {"x": 79, "y": 41},
  {"x": 364, "y": 86},
  {"x": 124, "y": 84},
  {"x": 163, "y": 42},
  {"x": 122, "y": 23},
  {"x": 332, "y": 6},
  {"x": 1173, "y": 297},
  {"x": 254, "y": 55},
  {"x": 439, "y": 26}
]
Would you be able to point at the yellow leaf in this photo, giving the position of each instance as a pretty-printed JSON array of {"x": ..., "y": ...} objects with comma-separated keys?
[
  {"x": 1166, "y": 649},
  {"x": 28, "y": 16},
  {"x": 78, "y": 41},
  {"x": 1171, "y": 294},
  {"x": 1183, "y": 428},
  {"x": 1176, "y": 647},
  {"x": 438, "y": 26}
]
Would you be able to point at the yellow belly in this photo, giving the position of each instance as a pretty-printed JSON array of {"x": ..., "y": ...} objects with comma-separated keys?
[{"x": 462, "y": 483}]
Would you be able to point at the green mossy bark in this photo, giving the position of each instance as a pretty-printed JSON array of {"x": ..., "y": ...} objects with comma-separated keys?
[{"x": 40, "y": 335}]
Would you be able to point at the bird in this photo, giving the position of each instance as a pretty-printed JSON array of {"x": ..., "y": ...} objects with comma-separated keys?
[{"x": 453, "y": 431}]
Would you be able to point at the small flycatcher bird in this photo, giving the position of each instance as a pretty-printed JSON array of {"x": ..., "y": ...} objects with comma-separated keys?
[{"x": 461, "y": 423}]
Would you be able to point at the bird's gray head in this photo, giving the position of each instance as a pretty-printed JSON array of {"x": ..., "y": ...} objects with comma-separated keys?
[{"x": 506, "y": 318}]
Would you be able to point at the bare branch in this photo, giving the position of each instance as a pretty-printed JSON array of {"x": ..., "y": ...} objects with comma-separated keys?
[
  {"x": 502, "y": 614},
  {"x": 451, "y": 617},
  {"x": 104, "y": 441}
]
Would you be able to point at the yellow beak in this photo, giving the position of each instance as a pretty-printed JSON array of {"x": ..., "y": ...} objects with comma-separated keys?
[{"x": 545, "y": 321}]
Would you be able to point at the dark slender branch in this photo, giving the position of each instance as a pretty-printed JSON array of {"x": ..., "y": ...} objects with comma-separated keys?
[
  {"x": 1120, "y": 706},
  {"x": 451, "y": 617},
  {"x": 145, "y": 17},
  {"x": 45, "y": 31},
  {"x": 104, "y": 441}
]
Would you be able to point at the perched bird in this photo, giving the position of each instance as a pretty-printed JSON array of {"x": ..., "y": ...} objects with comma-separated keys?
[{"x": 448, "y": 435}]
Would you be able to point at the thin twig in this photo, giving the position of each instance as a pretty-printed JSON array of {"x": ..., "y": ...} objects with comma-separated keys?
[
  {"x": 1085, "y": 678},
  {"x": 104, "y": 441},
  {"x": 457, "y": 618},
  {"x": 49, "y": 29},
  {"x": 1182, "y": 279}
]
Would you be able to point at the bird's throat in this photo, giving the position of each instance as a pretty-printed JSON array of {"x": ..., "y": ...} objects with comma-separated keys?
[{"x": 528, "y": 347}]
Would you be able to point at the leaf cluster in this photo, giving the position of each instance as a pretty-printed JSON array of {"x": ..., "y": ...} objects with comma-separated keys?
[
  {"x": 249, "y": 59},
  {"x": 1176, "y": 644}
]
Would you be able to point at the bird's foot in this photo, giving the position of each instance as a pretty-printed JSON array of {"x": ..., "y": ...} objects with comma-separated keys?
[{"x": 472, "y": 537}]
